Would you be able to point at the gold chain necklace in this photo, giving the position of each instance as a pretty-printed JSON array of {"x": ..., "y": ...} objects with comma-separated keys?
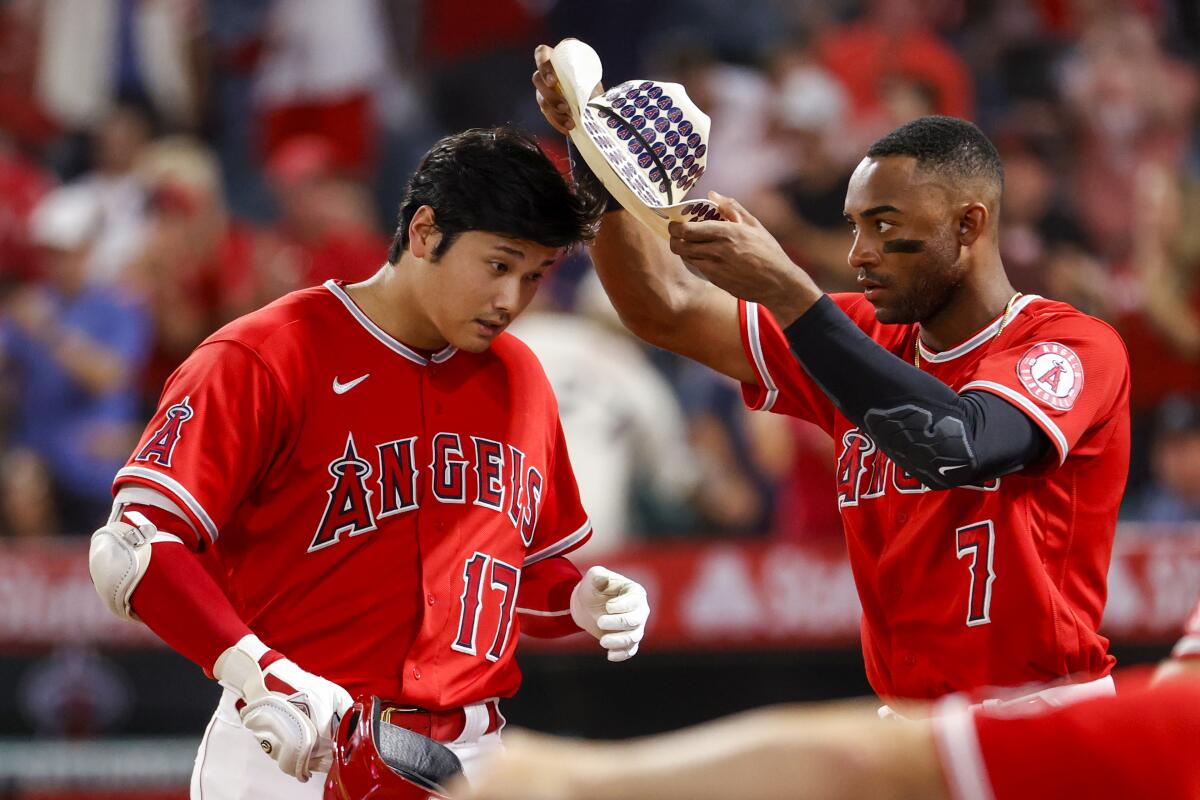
[{"x": 1000, "y": 330}]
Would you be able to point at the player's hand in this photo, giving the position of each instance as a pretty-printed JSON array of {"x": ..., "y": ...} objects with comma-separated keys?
[
  {"x": 612, "y": 608},
  {"x": 738, "y": 254},
  {"x": 293, "y": 714},
  {"x": 549, "y": 96}
]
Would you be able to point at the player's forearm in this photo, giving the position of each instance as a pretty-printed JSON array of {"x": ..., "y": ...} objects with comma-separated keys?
[
  {"x": 544, "y": 599},
  {"x": 928, "y": 429},
  {"x": 834, "y": 753},
  {"x": 181, "y": 602},
  {"x": 648, "y": 284}
]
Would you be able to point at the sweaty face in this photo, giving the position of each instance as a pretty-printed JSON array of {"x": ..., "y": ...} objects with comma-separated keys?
[
  {"x": 480, "y": 285},
  {"x": 905, "y": 248}
]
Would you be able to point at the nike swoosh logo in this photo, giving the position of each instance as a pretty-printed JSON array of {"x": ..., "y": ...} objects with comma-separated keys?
[
  {"x": 342, "y": 388},
  {"x": 942, "y": 470}
]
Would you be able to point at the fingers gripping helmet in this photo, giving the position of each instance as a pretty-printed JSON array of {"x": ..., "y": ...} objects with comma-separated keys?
[{"x": 375, "y": 760}]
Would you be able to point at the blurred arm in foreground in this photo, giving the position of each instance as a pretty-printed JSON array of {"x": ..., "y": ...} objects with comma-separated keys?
[{"x": 1137, "y": 744}]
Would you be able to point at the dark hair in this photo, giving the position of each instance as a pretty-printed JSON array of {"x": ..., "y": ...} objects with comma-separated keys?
[
  {"x": 946, "y": 145},
  {"x": 496, "y": 180}
]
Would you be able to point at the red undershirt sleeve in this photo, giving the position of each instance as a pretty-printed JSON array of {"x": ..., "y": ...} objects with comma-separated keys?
[
  {"x": 180, "y": 599},
  {"x": 544, "y": 599}
]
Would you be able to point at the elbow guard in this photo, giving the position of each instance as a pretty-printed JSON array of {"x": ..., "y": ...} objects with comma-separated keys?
[
  {"x": 119, "y": 556},
  {"x": 930, "y": 442}
]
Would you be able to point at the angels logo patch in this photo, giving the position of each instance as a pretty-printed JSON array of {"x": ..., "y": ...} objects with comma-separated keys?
[
  {"x": 161, "y": 445},
  {"x": 1052, "y": 373}
]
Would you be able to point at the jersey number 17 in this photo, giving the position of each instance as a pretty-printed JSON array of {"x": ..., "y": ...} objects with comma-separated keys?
[{"x": 504, "y": 578}]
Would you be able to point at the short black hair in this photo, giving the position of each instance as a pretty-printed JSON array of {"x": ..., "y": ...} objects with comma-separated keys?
[
  {"x": 496, "y": 180},
  {"x": 946, "y": 145}
]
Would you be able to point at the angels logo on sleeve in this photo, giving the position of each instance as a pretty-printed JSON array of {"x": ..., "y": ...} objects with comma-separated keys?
[
  {"x": 1052, "y": 373},
  {"x": 162, "y": 444}
]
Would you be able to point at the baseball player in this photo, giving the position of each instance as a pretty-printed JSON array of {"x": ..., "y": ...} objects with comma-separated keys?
[
  {"x": 981, "y": 434},
  {"x": 364, "y": 489},
  {"x": 1138, "y": 744}
]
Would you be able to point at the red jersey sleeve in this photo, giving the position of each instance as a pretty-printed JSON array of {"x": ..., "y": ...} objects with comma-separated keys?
[
  {"x": 562, "y": 525},
  {"x": 783, "y": 385},
  {"x": 1140, "y": 743},
  {"x": 1067, "y": 373},
  {"x": 544, "y": 599},
  {"x": 219, "y": 423}
]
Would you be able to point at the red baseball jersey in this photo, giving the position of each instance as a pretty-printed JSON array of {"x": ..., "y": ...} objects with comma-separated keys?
[
  {"x": 372, "y": 508},
  {"x": 1140, "y": 743},
  {"x": 1000, "y": 584}
]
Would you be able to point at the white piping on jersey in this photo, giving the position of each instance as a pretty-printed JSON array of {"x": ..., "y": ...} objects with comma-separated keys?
[
  {"x": 563, "y": 544},
  {"x": 145, "y": 496},
  {"x": 533, "y": 612},
  {"x": 1060, "y": 441},
  {"x": 985, "y": 335},
  {"x": 379, "y": 333},
  {"x": 176, "y": 488},
  {"x": 760, "y": 364},
  {"x": 958, "y": 743}
]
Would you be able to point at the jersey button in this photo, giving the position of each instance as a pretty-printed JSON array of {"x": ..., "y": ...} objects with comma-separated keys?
[
  {"x": 430, "y": 599},
  {"x": 416, "y": 673},
  {"x": 901, "y": 517}
]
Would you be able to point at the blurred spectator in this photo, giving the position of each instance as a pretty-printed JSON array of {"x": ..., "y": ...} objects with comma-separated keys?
[
  {"x": 804, "y": 208},
  {"x": 1039, "y": 234},
  {"x": 22, "y": 184},
  {"x": 321, "y": 64},
  {"x": 198, "y": 267},
  {"x": 118, "y": 142},
  {"x": 1157, "y": 299},
  {"x": 624, "y": 428},
  {"x": 21, "y": 116},
  {"x": 894, "y": 40},
  {"x": 469, "y": 50},
  {"x": 737, "y": 496},
  {"x": 76, "y": 351},
  {"x": 327, "y": 221},
  {"x": 1174, "y": 494},
  {"x": 235, "y": 37},
  {"x": 96, "y": 52},
  {"x": 1133, "y": 105},
  {"x": 738, "y": 100},
  {"x": 801, "y": 458}
]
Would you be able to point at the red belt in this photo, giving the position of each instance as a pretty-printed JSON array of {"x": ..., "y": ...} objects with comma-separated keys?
[{"x": 441, "y": 726}]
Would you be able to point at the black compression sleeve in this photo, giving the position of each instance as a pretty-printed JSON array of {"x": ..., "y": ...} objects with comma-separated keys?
[{"x": 922, "y": 424}]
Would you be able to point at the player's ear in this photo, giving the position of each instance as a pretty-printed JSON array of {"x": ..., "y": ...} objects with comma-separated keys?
[
  {"x": 972, "y": 221},
  {"x": 423, "y": 235}
]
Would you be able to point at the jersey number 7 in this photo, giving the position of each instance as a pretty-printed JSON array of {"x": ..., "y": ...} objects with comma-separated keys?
[
  {"x": 505, "y": 578},
  {"x": 978, "y": 539}
]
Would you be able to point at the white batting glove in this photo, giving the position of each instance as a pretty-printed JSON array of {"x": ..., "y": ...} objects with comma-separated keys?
[
  {"x": 293, "y": 714},
  {"x": 612, "y": 608}
]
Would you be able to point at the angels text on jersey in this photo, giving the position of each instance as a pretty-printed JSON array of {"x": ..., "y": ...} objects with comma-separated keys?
[
  {"x": 864, "y": 472},
  {"x": 370, "y": 486}
]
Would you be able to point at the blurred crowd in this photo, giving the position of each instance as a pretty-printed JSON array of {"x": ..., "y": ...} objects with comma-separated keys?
[{"x": 167, "y": 165}]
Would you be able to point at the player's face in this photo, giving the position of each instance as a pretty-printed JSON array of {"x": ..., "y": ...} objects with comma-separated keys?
[
  {"x": 482, "y": 283},
  {"x": 905, "y": 250}
]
